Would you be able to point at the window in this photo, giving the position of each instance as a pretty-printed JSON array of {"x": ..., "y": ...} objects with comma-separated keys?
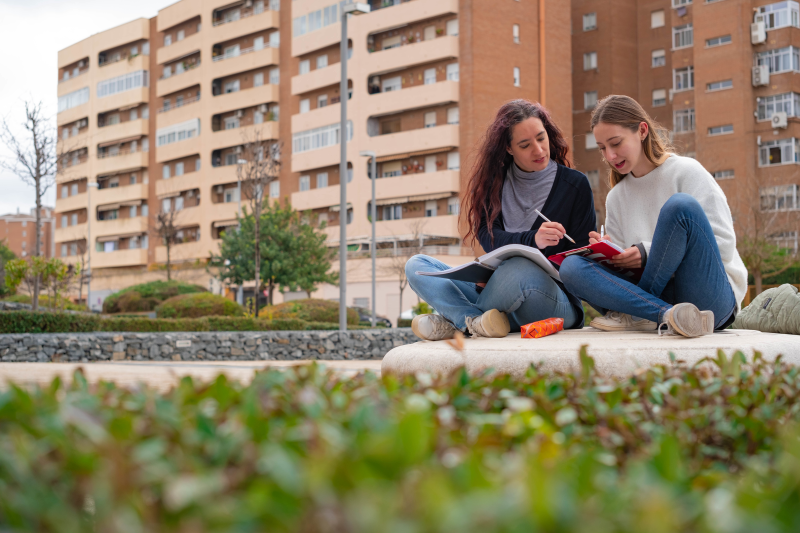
[
  {"x": 166, "y": 205},
  {"x": 274, "y": 75},
  {"x": 133, "y": 179},
  {"x": 430, "y": 119},
  {"x": 305, "y": 183},
  {"x": 322, "y": 100},
  {"x": 322, "y": 218},
  {"x": 659, "y": 58},
  {"x": 178, "y": 203},
  {"x": 133, "y": 211},
  {"x": 781, "y": 60},
  {"x": 74, "y": 189},
  {"x": 452, "y": 72},
  {"x": 392, "y": 212},
  {"x": 723, "y": 175},
  {"x": 231, "y": 195},
  {"x": 392, "y": 84},
  {"x": 721, "y": 130},
  {"x": 788, "y": 103},
  {"x": 274, "y": 189},
  {"x": 589, "y": 99},
  {"x": 64, "y": 221},
  {"x": 316, "y": 138},
  {"x": 258, "y": 7},
  {"x": 231, "y": 86},
  {"x": 258, "y": 43},
  {"x": 73, "y": 249},
  {"x": 453, "y": 161},
  {"x": 181, "y": 34},
  {"x": 683, "y": 120},
  {"x": 719, "y": 85},
  {"x": 134, "y": 115},
  {"x": 126, "y": 82},
  {"x": 657, "y": 19},
  {"x": 305, "y": 66},
  {"x": 781, "y": 198},
  {"x": 659, "y": 97},
  {"x": 63, "y": 250},
  {"x": 516, "y": 76},
  {"x": 305, "y": 105},
  {"x": 322, "y": 180},
  {"x": 590, "y": 61},
  {"x": 718, "y": 41},
  {"x": 430, "y": 208},
  {"x": 786, "y": 240},
  {"x": 594, "y": 178},
  {"x": 679, "y": 3},
  {"x": 274, "y": 39},
  {"x": 73, "y": 99},
  {"x": 231, "y": 123},
  {"x": 682, "y": 36},
  {"x": 453, "y": 206},
  {"x": 258, "y": 79},
  {"x": 73, "y": 219},
  {"x": 515, "y": 33},
  {"x": 322, "y": 61},
  {"x": 313, "y": 21},
  {"x": 683, "y": 79},
  {"x": 179, "y": 169},
  {"x": 230, "y": 159},
  {"x": 430, "y": 76},
  {"x": 778, "y": 152},
  {"x": 591, "y": 143},
  {"x": 452, "y": 27},
  {"x": 177, "y": 132},
  {"x": 165, "y": 172},
  {"x": 64, "y": 191},
  {"x": 112, "y": 119},
  {"x": 452, "y": 115},
  {"x": 779, "y": 15},
  {"x": 167, "y": 40},
  {"x": 590, "y": 21}
]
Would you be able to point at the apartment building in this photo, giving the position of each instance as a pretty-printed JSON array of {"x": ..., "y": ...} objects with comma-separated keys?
[
  {"x": 719, "y": 75},
  {"x": 18, "y": 233},
  {"x": 153, "y": 115}
]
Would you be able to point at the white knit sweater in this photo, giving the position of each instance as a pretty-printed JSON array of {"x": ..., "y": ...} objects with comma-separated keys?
[{"x": 633, "y": 206}]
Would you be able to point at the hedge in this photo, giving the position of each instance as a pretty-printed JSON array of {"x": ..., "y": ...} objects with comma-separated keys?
[
  {"x": 146, "y": 296},
  {"x": 672, "y": 449},
  {"x": 198, "y": 305},
  {"x": 309, "y": 309},
  {"x": 42, "y": 322}
]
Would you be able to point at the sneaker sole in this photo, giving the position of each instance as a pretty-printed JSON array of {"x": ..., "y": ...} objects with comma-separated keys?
[
  {"x": 603, "y": 327},
  {"x": 495, "y": 323},
  {"x": 689, "y": 321},
  {"x": 415, "y": 328}
]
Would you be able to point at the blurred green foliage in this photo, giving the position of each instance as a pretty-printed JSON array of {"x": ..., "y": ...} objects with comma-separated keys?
[
  {"x": 198, "y": 305},
  {"x": 146, "y": 296}
]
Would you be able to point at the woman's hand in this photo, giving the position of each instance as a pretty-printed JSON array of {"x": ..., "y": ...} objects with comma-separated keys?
[
  {"x": 594, "y": 237},
  {"x": 548, "y": 234},
  {"x": 630, "y": 258}
]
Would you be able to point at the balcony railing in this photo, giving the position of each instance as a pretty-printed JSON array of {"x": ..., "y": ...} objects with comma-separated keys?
[
  {"x": 186, "y": 68},
  {"x": 104, "y": 62},
  {"x": 220, "y": 22},
  {"x": 72, "y": 77},
  {"x": 222, "y": 57},
  {"x": 116, "y": 153},
  {"x": 185, "y": 101},
  {"x": 381, "y": 4}
]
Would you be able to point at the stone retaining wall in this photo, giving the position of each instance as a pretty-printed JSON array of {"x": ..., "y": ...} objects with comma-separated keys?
[{"x": 202, "y": 346}]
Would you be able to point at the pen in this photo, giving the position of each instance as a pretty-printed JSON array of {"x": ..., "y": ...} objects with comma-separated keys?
[
  {"x": 602, "y": 231},
  {"x": 548, "y": 220}
]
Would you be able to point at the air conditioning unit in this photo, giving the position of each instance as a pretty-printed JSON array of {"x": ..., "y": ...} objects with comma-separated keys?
[
  {"x": 240, "y": 113},
  {"x": 219, "y": 189},
  {"x": 263, "y": 108},
  {"x": 780, "y": 120},
  {"x": 758, "y": 31},
  {"x": 760, "y": 75}
]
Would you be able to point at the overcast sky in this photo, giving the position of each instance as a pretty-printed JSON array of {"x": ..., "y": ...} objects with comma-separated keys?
[{"x": 33, "y": 33}]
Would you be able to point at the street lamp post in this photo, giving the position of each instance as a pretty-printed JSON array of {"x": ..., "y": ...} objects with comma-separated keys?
[
  {"x": 240, "y": 292},
  {"x": 373, "y": 214},
  {"x": 89, "y": 187},
  {"x": 353, "y": 8}
]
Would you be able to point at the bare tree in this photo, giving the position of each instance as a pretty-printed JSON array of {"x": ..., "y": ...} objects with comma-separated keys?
[
  {"x": 166, "y": 231},
  {"x": 258, "y": 166},
  {"x": 34, "y": 159},
  {"x": 758, "y": 222},
  {"x": 411, "y": 245},
  {"x": 81, "y": 277}
]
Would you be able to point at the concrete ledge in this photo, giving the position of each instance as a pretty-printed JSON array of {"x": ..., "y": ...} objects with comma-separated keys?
[{"x": 615, "y": 354}]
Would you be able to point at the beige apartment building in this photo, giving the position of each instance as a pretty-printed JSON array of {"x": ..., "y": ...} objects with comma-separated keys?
[
  {"x": 155, "y": 112},
  {"x": 720, "y": 75}
]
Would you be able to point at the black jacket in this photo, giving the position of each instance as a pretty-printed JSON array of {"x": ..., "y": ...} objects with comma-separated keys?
[{"x": 571, "y": 203}]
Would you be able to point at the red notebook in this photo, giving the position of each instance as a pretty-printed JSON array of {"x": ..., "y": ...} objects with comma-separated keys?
[{"x": 601, "y": 252}]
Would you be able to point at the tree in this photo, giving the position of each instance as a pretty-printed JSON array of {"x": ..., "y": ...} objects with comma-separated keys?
[
  {"x": 412, "y": 245},
  {"x": 34, "y": 159},
  {"x": 6, "y": 255},
  {"x": 81, "y": 269},
  {"x": 53, "y": 274},
  {"x": 166, "y": 232},
  {"x": 314, "y": 259}
]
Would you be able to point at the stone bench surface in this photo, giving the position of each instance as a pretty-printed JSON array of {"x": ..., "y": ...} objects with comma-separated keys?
[{"x": 615, "y": 354}]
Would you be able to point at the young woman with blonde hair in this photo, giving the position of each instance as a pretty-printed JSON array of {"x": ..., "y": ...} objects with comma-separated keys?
[{"x": 674, "y": 221}]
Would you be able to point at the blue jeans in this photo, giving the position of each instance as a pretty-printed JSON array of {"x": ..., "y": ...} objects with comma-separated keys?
[
  {"x": 684, "y": 265},
  {"x": 518, "y": 287}
]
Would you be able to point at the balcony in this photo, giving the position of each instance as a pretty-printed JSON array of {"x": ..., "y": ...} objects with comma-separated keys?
[
  {"x": 72, "y": 84},
  {"x": 241, "y": 99},
  {"x": 244, "y": 61},
  {"x": 322, "y": 157},
  {"x": 407, "y": 56},
  {"x": 123, "y": 130},
  {"x": 71, "y": 115},
  {"x": 73, "y": 172},
  {"x": 106, "y": 40},
  {"x": 123, "y": 66},
  {"x": 178, "y": 149},
  {"x": 120, "y": 226},
  {"x": 236, "y": 136},
  {"x": 71, "y": 233},
  {"x": 246, "y": 25},
  {"x": 176, "y": 184},
  {"x": 121, "y": 163},
  {"x": 119, "y": 258},
  {"x": 188, "y": 251},
  {"x": 316, "y": 40},
  {"x": 176, "y": 13},
  {"x": 71, "y": 203},
  {"x": 317, "y": 118},
  {"x": 176, "y": 82},
  {"x": 176, "y": 114},
  {"x": 178, "y": 49},
  {"x": 128, "y": 98},
  {"x": 407, "y": 13},
  {"x": 425, "y": 183},
  {"x": 413, "y": 141},
  {"x": 443, "y": 92},
  {"x": 316, "y": 198},
  {"x": 221, "y": 175},
  {"x": 115, "y": 195},
  {"x": 73, "y": 142},
  {"x": 316, "y": 79}
]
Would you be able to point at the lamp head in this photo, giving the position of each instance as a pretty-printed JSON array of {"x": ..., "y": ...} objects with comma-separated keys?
[{"x": 355, "y": 8}]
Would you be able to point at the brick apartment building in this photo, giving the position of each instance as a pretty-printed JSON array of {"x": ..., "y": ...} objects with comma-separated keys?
[
  {"x": 719, "y": 74},
  {"x": 153, "y": 114},
  {"x": 18, "y": 232}
]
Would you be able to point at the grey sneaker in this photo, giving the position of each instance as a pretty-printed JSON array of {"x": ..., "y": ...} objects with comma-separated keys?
[
  {"x": 492, "y": 324},
  {"x": 617, "y": 321},
  {"x": 687, "y": 320},
  {"x": 432, "y": 327}
]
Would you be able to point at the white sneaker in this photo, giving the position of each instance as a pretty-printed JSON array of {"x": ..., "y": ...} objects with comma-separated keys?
[
  {"x": 492, "y": 324},
  {"x": 617, "y": 321},
  {"x": 687, "y": 320},
  {"x": 432, "y": 327}
]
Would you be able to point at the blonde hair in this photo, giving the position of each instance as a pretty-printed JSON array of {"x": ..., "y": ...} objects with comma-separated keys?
[{"x": 626, "y": 112}]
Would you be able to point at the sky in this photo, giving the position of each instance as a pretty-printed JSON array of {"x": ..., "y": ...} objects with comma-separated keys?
[{"x": 33, "y": 33}]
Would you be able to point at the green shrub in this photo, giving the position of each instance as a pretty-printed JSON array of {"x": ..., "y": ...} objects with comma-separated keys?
[
  {"x": 404, "y": 323},
  {"x": 310, "y": 310},
  {"x": 198, "y": 305},
  {"x": 671, "y": 449},
  {"x": 44, "y": 301},
  {"x": 46, "y": 322},
  {"x": 146, "y": 296}
]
